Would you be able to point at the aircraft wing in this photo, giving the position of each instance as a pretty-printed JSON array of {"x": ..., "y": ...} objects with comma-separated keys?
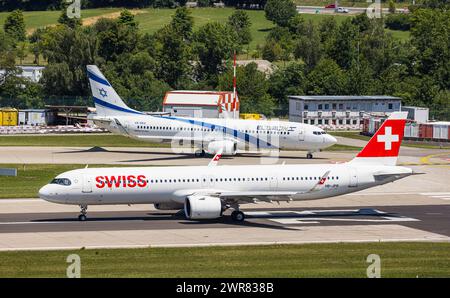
[
  {"x": 265, "y": 196},
  {"x": 254, "y": 196}
]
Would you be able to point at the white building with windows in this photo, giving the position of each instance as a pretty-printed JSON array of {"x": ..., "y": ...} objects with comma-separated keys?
[{"x": 340, "y": 112}]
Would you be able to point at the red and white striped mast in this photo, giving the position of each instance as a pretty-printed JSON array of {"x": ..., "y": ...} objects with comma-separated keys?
[{"x": 234, "y": 86}]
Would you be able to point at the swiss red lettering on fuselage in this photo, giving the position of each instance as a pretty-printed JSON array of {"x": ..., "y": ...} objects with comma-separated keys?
[{"x": 121, "y": 181}]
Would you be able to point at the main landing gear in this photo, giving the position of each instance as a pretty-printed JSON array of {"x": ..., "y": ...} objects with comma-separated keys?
[
  {"x": 237, "y": 215},
  {"x": 309, "y": 155},
  {"x": 200, "y": 153},
  {"x": 82, "y": 216}
]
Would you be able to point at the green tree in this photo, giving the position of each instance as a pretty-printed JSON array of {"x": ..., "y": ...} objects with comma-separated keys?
[
  {"x": 308, "y": 46},
  {"x": 114, "y": 38},
  {"x": 287, "y": 80},
  {"x": 133, "y": 78},
  {"x": 430, "y": 34},
  {"x": 14, "y": 25},
  {"x": 67, "y": 51},
  {"x": 252, "y": 89},
  {"x": 174, "y": 56},
  {"x": 344, "y": 46},
  {"x": 296, "y": 25},
  {"x": 279, "y": 37},
  {"x": 360, "y": 78},
  {"x": 127, "y": 18},
  {"x": 327, "y": 30},
  {"x": 440, "y": 108},
  {"x": 392, "y": 7},
  {"x": 64, "y": 19},
  {"x": 7, "y": 64},
  {"x": 362, "y": 21},
  {"x": 215, "y": 43},
  {"x": 272, "y": 51},
  {"x": 182, "y": 22},
  {"x": 327, "y": 78},
  {"x": 240, "y": 22},
  {"x": 280, "y": 11},
  {"x": 22, "y": 51}
]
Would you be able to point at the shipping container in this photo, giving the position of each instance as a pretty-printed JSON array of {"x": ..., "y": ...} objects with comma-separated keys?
[
  {"x": 426, "y": 131},
  {"x": 8, "y": 117}
]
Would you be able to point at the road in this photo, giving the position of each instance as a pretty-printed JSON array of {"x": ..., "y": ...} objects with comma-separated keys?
[{"x": 331, "y": 11}]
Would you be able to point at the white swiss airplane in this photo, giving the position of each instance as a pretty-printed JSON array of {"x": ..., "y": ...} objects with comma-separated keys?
[
  {"x": 205, "y": 192},
  {"x": 207, "y": 134}
]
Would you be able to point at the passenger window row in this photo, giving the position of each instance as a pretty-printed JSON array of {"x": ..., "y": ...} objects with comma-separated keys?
[
  {"x": 235, "y": 179},
  {"x": 309, "y": 178},
  {"x": 209, "y": 129}
]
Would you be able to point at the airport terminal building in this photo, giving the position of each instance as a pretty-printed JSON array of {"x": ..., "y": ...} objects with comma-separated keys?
[{"x": 340, "y": 112}]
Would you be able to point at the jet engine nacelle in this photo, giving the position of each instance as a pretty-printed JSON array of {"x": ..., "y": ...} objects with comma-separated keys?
[
  {"x": 168, "y": 206},
  {"x": 202, "y": 207},
  {"x": 227, "y": 147}
]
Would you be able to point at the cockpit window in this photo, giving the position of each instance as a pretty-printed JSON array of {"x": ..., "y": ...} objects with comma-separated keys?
[
  {"x": 61, "y": 181},
  {"x": 319, "y": 132}
]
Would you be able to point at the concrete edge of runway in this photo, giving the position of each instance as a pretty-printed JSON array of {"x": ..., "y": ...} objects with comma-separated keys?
[{"x": 137, "y": 246}]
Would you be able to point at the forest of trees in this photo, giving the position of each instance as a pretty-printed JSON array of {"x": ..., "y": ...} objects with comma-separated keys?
[
  {"x": 354, "y": 57},
  {"x": 9, "y": 5}
]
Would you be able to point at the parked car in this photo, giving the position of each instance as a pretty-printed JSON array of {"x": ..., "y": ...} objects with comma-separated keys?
[
  {"x": 342, "y": 10},
  {"x": 331, "y": 6}
]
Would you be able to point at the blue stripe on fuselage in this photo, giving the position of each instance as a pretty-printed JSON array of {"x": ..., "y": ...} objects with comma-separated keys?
[{"x": 233, "y": 132}]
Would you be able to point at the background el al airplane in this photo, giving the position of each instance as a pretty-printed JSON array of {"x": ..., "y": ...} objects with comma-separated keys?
[
  {"x": 205, "y": 192},
  {"x": 208, "y": 135}
]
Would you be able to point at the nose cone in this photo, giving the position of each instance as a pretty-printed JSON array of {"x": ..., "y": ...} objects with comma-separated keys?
[
  {"x": 44, "y": 192},
  {"x": 50, "y": 194},
  {"x": 329, "y": 140}
]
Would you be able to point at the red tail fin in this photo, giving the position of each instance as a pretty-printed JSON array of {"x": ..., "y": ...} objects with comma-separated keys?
[{"x": 384, "y": 146}]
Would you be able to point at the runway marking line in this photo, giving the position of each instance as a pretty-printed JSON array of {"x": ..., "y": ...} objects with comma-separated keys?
[
  {"x": 278, "y": 216},
  {"x": 438, "y": 195},
  {"x": 426, "y": 159}
]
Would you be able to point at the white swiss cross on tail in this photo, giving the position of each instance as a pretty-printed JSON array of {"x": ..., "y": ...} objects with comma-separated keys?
[
  {"x": 384, "y": 146},
  {"x": 388, "y": 138}
]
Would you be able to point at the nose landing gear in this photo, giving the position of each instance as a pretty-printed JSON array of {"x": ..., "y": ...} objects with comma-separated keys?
[
  {"x": 309, "y": 155},
  {"x": 82, "y": 216}
]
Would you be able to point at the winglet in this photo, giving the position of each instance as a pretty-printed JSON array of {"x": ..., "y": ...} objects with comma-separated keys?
[
  {"x": 321, "y": 182},
  {"x": 215, "y": 159}
]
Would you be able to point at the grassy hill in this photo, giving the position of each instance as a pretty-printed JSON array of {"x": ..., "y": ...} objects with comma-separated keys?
[{"x": 150, "y": 20}]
